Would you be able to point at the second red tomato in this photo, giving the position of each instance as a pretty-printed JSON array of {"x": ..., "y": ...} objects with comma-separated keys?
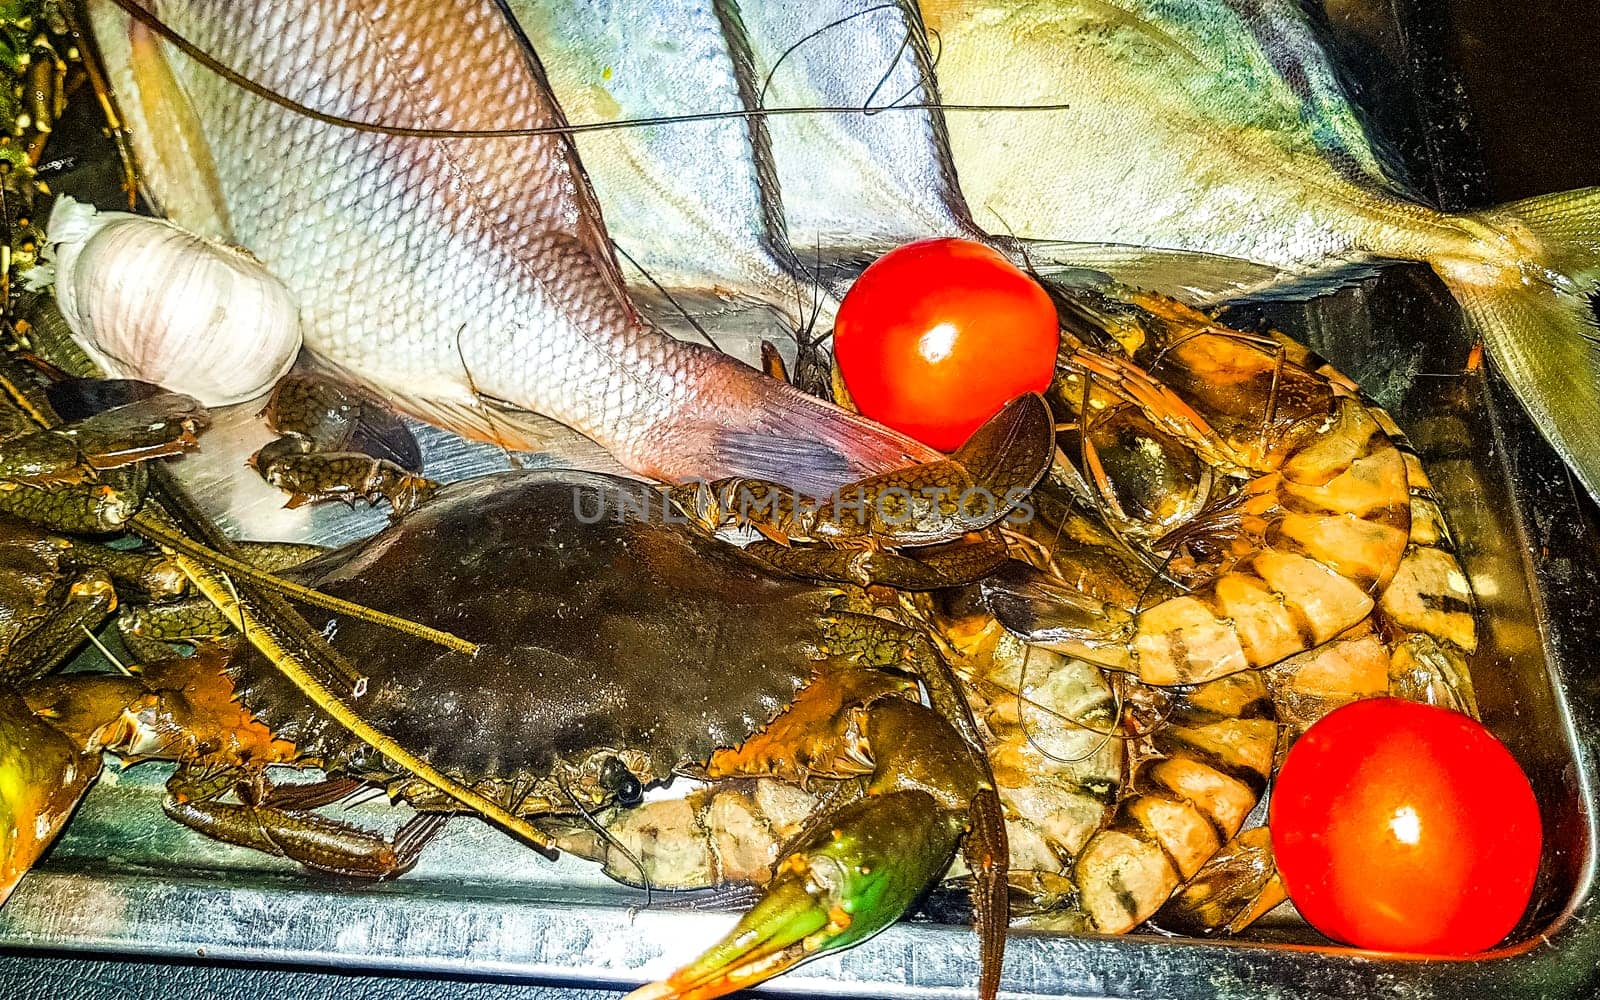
[
  {"x": 935, "y": 337},
  {"x": 1405, "y": 827}
]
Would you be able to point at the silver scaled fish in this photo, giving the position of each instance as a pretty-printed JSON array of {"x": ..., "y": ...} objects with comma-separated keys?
[
  {"x": 689, "y": 201},
  {"x": 751, "y": 207},
  {"x": 1221, "y": 127},
  {"x": 862, "y": 180},
  {"x": 471, "y": 279}
]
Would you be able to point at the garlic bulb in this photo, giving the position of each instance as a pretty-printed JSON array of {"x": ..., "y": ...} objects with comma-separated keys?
[{"x": 150, "y": 300}]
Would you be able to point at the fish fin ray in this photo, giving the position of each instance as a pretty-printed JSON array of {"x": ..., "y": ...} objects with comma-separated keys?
[
  {"x": 175, "y": 167},
  {"x": 591, "y": 230},
  {"x": 811, "y": 446},
  {"x": 512, "y": 429},
  {"x": 1538, "y": 318}
]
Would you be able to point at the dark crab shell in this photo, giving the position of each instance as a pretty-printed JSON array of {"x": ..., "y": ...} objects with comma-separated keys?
[{"x": 604, "y": 624}]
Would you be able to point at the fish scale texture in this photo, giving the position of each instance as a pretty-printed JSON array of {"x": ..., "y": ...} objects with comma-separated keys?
[
  {"x": 438, "y": 269},
  {"x": 850, "y": 179},
  {"x": 688, "y": 200},
  {"x": 396, "y": 238}
]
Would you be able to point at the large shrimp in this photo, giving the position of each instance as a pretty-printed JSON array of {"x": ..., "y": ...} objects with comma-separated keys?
[
  {"x": 1049, "y": 724},
  {"x": 1224, "y": 502},
  {"x": 1266, "y": 499},
  {"x": 1415, "y": 645},
  {"x": 1199, "y": 757}
]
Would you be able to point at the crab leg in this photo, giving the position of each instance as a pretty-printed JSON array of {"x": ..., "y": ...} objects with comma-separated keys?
[
  {"x": 956, "y": 564},
  {"x": 339, "y": 443}
]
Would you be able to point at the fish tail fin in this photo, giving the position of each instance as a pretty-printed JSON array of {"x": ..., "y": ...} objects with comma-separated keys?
[
  {"x": 813, "y": 446},
  {"x": 1535, "y": 309},
  {"x": 760, "y": 428}
]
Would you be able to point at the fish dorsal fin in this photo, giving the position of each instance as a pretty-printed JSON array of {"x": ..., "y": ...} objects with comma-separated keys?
[{"x": 590, "y": 225}]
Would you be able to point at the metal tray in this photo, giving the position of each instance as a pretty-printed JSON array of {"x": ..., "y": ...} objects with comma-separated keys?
[{"x": 124, "y": 881}]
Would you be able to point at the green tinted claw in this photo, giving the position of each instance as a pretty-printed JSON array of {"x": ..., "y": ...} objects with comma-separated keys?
[
  {"x": 856, "y": 878},
  {"x": 42, "y": 777}
]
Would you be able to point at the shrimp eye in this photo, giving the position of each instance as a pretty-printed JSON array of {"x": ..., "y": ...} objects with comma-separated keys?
[
  {"x": 630, "y": 793},
  {"x": 620, "y": 782}
]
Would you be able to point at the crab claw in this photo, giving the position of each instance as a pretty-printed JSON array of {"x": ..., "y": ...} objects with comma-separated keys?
[
  {"x": 42, "y": 777},
  {"x": 868, "y": 866}
]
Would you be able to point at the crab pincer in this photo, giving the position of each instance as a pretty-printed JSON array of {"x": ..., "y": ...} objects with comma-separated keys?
[
  {"x": 858, "y": 869},
  {"x": 42, "y": 777}
]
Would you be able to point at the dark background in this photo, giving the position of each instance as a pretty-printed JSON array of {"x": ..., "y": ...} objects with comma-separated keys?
[{"x": 1531, "y": 72}]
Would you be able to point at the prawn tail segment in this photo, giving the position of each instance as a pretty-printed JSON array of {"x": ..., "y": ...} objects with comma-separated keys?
[{"x": 1196, "y": 777}]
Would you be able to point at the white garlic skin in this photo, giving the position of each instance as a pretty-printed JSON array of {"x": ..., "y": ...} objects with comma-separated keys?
[{"x": 150, "y": 300}]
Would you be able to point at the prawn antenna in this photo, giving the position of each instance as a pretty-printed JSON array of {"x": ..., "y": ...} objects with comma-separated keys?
[
  {"x": 483, "y": 408},
  {"x": 1022, "y": 248},
  {"x": 106, "y": 652},
  {"x": 766, "y": 83},
  {"x": 1105, "y": 735},
  {"x": 867, "y": 107},
  {"x": 688, "y": 318},
  {"x": 813, "y": 338},
  {"x": 211, "y": 63},
  {"x": 611, "y": 839},
  {"x": 174, "y": 541}
]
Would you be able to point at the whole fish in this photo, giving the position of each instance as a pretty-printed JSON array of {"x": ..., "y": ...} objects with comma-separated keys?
[
  {"x": 1221, "y": 126},
  {"x": 691, "y": 202},
  {"x": 471, "y": 279}
]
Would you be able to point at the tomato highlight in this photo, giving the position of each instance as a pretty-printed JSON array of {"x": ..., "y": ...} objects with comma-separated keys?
[{"x": 936, "y": 336}]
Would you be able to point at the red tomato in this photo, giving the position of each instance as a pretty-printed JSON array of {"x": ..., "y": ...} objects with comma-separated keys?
[
  {"x": 1405, "y": 827},
  {"x": 935, "y": 337}
]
